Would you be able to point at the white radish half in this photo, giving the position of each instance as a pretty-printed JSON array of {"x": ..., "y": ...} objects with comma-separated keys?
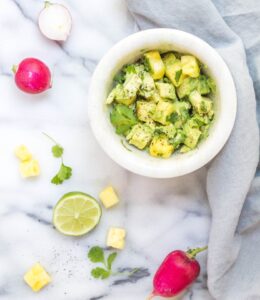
[{"x": 55, "y": 21}]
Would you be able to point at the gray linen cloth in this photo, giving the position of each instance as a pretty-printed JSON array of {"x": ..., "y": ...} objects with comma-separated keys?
[{"x": 233, "y": 29}]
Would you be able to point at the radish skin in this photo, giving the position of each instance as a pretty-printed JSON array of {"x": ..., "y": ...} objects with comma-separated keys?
[
  {"x": 176, "y": 273},
  {"x": 32, "y": 76},
  {"x": 55, "y": 21}
]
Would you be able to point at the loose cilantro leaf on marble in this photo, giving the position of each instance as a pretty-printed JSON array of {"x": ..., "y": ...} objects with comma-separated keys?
[
  {"x": 96, "y": 255},
  {"x": 111, "y": 259},
  {"x": 100, "y": 273},
  {"x": 64, "y": 172},
  {"x": 57, "y": 151}
]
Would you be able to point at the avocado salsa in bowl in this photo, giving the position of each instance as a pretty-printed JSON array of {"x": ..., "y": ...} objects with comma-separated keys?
[{"x": 162, "y": 103}]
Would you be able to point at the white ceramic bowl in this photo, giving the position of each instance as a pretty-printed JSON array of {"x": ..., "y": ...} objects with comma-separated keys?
[{"x": 130, "y": 49}]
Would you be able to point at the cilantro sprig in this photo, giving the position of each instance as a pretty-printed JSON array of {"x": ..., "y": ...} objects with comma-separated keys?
[
  {"x": 96, "y": 255},
  {"x": 123, "y": 118},
  {"x": 64, "y": 172},
  {"x": 178, "y": 75}
]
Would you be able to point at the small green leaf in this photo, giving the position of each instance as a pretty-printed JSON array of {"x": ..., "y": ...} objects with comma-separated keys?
[
  {"x": 122, "y": 118},
  {"x": 56, "y": 180},
  {"x": 100, "y": 273},
  {"x": 178, "y": 75},
  {"x": 119, "y": 78},
  {"x": 174, "y": 117},
  {"x": 57, "y": 151},
  {"x": 111, "y": 259},
  {"x": 64, "y": 173},
  {"x": 96, "y": 254},
  {"x": 130, "y": 69}
]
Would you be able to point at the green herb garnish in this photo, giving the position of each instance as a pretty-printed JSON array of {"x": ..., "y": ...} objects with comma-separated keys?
[
  {"x": 57, "y": 151},
  {"x": 174, "y": 117},
  {"x": 64, "y": 172},
  {"x": 178, "y": 75},
  {"x": 96, "y": 255},
  {"x": 119, "y": 78},
  {"x": 130, "y": 69},
  {"x": 123, "y": 118}
]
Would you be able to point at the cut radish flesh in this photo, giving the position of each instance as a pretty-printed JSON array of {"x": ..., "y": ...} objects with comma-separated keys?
[{"x": 55, "y": 21}]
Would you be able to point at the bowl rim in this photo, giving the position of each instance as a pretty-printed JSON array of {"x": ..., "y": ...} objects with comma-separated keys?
[{"x": 135, "y": 163}]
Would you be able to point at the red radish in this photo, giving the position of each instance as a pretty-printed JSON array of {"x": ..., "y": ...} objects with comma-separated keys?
[
  {"x": 178, "y": 270},
  {"x": 32, "y": 76}
]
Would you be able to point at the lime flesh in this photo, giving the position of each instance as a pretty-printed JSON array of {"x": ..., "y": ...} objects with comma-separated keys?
[{"x": 76, "y": 214}]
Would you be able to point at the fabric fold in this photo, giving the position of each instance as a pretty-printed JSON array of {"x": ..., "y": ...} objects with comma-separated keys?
[{"x": 231, "y": 275}]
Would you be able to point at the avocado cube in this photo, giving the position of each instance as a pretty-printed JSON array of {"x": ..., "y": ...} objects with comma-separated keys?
[
  {"x": 197, "y": 121},
  {"x": 188, "y": 85},
  {"x": 140, "y": 136},
  {"x": 166, "y": 90},
  {"x": 144, "y": 110},
  {"x": 173, "y": 69},
  {"x": 204, "y": 85},
  {"x": 190, "y": 66},
  {"x": 168, "y": 59},
  {"x": 180, "y": 106},
  {"x": 180, "y": 113},
  {"x": 162, "y": 112},
  {"x": 155, "y": 63},
  {"x": 192, "y": 136},
  {"x": 132, "y": 85},
  {"x": 205, "y": 131},
  {"x": 147, "y": 88},
  {"x": 155, "y": 97},
  {"x": 179, "y": 138},
  {"x": 185, "y": 149},
  {"x": 202, "y": 105},
  {"x": 160, "y": 147},
  {"x": 125, "y": 93},
  {"x": 120, "y": 96},
  {"x": 168, "y": 130},
  {"x": 112, "y": 95}
]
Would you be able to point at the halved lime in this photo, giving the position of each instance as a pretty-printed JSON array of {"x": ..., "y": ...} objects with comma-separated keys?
[{"x": 76, "y": 214}]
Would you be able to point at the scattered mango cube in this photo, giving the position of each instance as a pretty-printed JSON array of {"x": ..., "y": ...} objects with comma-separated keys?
[
  {"x": 37, "y": 277},
  {"x": 109, "y": 197},
  {"x": 29, "y": 168},
  {"x": 116, "y": 238},
  {"x": 23, "y": 153}
]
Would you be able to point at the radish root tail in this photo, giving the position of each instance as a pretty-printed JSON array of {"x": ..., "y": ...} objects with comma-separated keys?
[{"x": 150, "y": 297}]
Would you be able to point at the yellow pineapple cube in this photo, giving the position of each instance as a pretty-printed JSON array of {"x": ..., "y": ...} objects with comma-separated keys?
[
  {"x": 109, "y": 197},
  {"x": 23, "y": 153},
  {"x": 37, "y": 277},
  {"x": 29, "y": 168},
  {"x": 116, "y": 238}
]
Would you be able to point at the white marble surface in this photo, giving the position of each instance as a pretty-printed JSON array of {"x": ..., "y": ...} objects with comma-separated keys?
[{"x": 159, "y": 215}]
